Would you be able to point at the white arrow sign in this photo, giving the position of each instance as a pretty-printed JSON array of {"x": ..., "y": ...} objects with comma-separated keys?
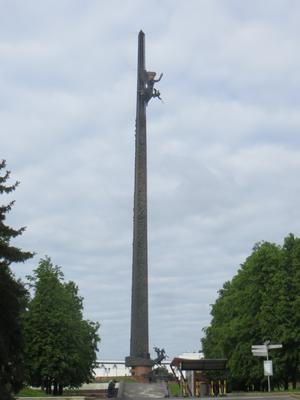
[
  {"x": 275, "y": 346},
  {"x": 259, "y": 347},
  {"x": 259, "y": 350},
  {"x": 260, "y": 353}
]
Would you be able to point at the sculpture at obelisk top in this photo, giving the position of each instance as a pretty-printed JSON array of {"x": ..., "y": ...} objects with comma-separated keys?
[{"x": 139, "y": 359}]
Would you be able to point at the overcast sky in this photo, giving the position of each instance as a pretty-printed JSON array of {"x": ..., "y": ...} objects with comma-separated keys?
[{"x": 223, "y": 147}]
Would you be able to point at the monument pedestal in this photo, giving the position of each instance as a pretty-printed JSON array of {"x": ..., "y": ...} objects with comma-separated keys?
[
  {"x": 141, "y": 374},
  {"x": 140, "y": 368},
  {"x": 147, "y": 391}
]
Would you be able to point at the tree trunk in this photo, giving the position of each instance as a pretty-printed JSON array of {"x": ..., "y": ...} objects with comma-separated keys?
[
  {"x": 60, "y": 389},
  {"x": 55, "y": 391},
  {"x": 48, "y": 386}
]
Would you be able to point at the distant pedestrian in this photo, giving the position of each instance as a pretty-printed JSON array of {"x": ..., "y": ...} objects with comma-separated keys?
[{"x": 111, "y": 390}]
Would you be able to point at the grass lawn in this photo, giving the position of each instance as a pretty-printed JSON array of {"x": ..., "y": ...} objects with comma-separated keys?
[
  {"x": 174, "y": 389},
  {"x": 28, "y": 392}
]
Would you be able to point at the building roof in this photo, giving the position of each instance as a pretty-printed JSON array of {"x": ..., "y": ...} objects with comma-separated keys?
[{"x": 199, "y": 365}]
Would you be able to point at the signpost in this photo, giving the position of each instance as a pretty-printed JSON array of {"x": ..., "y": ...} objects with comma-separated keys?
[{"x": 262, "y": 350}]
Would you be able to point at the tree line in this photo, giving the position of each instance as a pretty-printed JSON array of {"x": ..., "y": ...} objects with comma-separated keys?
[
  {"x": 260, "y": 303},
  {"x": 44, "y": 340}
]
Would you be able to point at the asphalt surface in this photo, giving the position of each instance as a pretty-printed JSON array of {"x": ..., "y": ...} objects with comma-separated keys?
[
  {"x": 232, "y": 397},
  {"x": 241, "y": 396}
]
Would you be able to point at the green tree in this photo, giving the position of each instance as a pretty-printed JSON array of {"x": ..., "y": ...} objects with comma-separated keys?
[
  {"x": 60, "y": 345},
  {"x": 12, "y": 299},
  {"x": 260, "y": 303},
  {"x": 280, "y": 312}
]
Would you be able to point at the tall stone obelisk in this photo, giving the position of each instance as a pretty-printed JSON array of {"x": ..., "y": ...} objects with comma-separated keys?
[{"x": 139, "y": 359}]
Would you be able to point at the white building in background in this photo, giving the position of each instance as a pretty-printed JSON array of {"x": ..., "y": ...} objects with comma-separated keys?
[
  {"x": 115, "y": 368},
  {"x": 192, "y": 356},
  {"x": 111, "y": 368}
]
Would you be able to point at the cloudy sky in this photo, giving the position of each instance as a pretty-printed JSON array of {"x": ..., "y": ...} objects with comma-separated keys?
[{"x": 223, "y": 147}]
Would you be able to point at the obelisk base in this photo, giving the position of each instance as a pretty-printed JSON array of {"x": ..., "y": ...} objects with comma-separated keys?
[
  {"x": 140, "y": 368},
  {"x": 142, "y": 391},
  {"x": 141, "y": 374}
]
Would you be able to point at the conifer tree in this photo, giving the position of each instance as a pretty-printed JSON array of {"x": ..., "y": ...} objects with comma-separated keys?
[{"x": 12, "y": 298}]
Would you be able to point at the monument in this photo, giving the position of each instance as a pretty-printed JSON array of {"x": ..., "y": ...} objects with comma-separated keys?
[{"x": 139, "y": 359}]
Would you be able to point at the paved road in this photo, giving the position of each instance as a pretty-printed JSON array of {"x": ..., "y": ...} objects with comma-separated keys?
[
  {"x": 259, "y": 397},
  {"x": 267, "y": 396},
  {"x": 242, "y": 396}
]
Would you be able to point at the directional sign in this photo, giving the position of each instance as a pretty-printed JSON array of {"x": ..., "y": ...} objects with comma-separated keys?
[
  {"x": 275, "y": 346},
  {"x": 259, "y": 350},
  {"x": 259, "y": 347},
  {"x": 259, "y": 353}
]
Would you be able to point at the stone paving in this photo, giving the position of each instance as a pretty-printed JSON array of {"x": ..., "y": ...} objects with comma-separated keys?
[
  {"x": 54, "y": 397},
  {"x": 142, "y": 390}
]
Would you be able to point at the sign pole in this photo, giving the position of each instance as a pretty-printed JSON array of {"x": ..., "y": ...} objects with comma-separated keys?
[{"x": 269, "y": 383}]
